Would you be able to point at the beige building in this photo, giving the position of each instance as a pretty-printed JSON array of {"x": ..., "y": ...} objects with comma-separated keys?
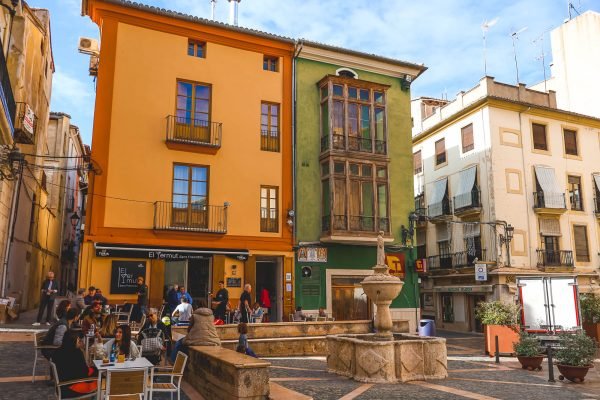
[
  {"x": 502, "y": 155},
  {"x": 35, "y": 244}
]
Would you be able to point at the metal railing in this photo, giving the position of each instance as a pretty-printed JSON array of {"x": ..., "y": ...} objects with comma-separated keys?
[
  {"x": 549, "y": 200},
  {"x": 324, "y": 143},
  {"x": 190, "y": 217},
  {"x": 440, "y": 209},
  {"x": 360, "y": 144},
  {"x": 339, "y": 142},
  {"x": 354, "y": 143},
  {"x": 269, "y": 140},
  {"x": 380, "y": 147},
  {"x": 6, "y": 94},
  {"x": 25, "y": 124},
  {"x": 354, "y": 223},
  {"x": 325, "y": 223},
  {"x": 466, "y": 201},
  {"x": 467, "y": 258},
  {"x": 439, "y": 262},
  {"x": 193, "y": 131},
  {"x": 340, "y": 223},
  {"x": 554, "y": 258}
]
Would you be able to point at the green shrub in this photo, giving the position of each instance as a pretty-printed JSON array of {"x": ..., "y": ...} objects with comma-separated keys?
[
  {"x": 576, "y": 350},
  {"x": 497, "y": 313},
  {"x": 590, "y": 308},
  {"x": 527, "y": 346}
]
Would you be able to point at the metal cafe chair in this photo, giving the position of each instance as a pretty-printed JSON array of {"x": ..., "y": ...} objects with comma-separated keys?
[
  {"x": 175, "y": 373},
  {"x": 58, "y": 385},
  {"x": 38, "y": 338}
]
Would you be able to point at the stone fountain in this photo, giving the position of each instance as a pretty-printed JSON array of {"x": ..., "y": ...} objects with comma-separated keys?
[{"x": 384, "y": 356}]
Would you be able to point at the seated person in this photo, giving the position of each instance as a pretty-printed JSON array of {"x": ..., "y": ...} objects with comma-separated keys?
[
  {"x": 322, "y": 312},
  {"x": 92, "y": 315},
  {"x": 109, "y": 326},
  {"x": 122, "y": 343},
  {"x": 56, "y": 333},
  {"x": 89, "y": 299},
  {"x": 201, "y": 332},
  {"x": 99, "y": 297},
  {"x": 152, "y": 328},
  {"x": 70, "y": 365},
  {"x": 257, "y": 313},
  {"x": 183, "y": 311},
  {"x": 300, "y": 316}
]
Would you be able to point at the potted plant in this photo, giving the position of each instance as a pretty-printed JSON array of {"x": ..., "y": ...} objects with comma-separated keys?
[
  {"x": 500, "y": 319},
  {"x": 590, "y": 312},
  {"x": 528, "y": 352},
  {"x": 575, "y": 356}
]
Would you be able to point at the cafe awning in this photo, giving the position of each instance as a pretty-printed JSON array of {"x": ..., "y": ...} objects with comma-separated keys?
[{"x": 163, "y": 252}]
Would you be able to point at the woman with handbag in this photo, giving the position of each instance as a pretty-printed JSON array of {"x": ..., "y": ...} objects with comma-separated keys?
[{"x": 154, "y": 337}]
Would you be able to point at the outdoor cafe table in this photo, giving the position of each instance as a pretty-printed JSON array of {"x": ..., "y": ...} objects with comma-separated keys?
[{"x": 140, "y": 362}]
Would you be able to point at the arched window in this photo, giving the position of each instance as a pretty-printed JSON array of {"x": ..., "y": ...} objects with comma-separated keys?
[{"x": 347, "y": 73}]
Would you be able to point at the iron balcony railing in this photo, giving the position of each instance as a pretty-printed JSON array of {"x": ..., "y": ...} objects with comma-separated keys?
[
  {"x": 354, "y": 223},
  {"x": 549, "y": 200},
  {"x": 420, "y": 206},
  {"x": 360, "y": 144},
  {"x": 6, "y": 93},
  {"x": 467, "y": 258},
  {"x": 353, "y": 143},
  {"x": 439, "y": 262},
  {"x": 554, "y": 258},
  {"x": 467, "y": 201},
  {"x": 269, "y": 140},
  {"x": 190, "y": 217},
  {"x": 25, "y": 124},
  {"x": 193, "y": 131},
  {"x": 440, "y": 209}
]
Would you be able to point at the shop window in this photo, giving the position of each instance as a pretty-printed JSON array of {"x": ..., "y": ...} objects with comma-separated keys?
[{"x": 447, "y": 308}]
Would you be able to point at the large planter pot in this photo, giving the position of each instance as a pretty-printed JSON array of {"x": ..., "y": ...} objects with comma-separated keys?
[
  {"x": 531, "y": 363},
  {"x": 574, "y": 374},
  {"x": 592, "y": 330},
  {"x": 507, "y": 337}
]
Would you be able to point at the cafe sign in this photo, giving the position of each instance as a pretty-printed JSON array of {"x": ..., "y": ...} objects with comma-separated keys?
[{"x": 396, "y": 264}]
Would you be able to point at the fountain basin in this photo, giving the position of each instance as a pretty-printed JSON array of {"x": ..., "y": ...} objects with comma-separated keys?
[{"x": 367, "y": 358}]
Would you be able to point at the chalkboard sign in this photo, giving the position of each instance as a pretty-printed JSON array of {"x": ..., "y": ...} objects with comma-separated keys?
[
  {"x": 124, "y": 274},
  {"x": 234, "y": 282}
]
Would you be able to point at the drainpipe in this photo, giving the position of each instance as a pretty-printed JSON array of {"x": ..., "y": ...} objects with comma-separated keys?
[{"x": 297, "y": 50}]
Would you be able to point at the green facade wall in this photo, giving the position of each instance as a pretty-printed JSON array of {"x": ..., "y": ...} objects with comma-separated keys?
[{"x": 310, "y": 293}]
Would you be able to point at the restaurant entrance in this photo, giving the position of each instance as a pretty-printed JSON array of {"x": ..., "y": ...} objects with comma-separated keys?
[
  {"x": 269, "y": 277},
  {"x": 194, "y": 274}
]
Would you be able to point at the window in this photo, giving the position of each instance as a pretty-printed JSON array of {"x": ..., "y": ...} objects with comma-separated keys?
[
  {"x": 539, "y": 137},
  {"x": 270, "y": 63},
  {"x": 575, "y": 193},
  {"x": 447, "y": 310},
  {"x": 582, "y": 252},
  {"x": 269, "y": 127},
  {"x": 193, "y": 103},
  {"x": 570, "y": 137},
  {"x": 440, "y": 152},
  {"x": 417, "y": 163},
  {"x": 196, "y": 49},
  {"x": 467, "y": 138},
  {"x": 190, "y": 196},
  {"x": 269, "y": 215}
]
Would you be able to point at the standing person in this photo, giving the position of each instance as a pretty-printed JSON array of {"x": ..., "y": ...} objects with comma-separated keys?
[
  {"x": 89, "y": 299},
  {"x": 79, "y": 300},
  {"x": 183, "y": 312},
  {"x": 142, "y": 295},
  {"x": 183, "y": 293},
  {"x": 265, "y": 300},
  {"x": 49, "y": 290},
  {"x": 172, "y": 298},
  {"x": 220, "y": 300},
  {"x": 245, "y": 303}
]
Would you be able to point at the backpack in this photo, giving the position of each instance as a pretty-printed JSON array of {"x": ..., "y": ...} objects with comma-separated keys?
[{"x": 152, "y": 342}]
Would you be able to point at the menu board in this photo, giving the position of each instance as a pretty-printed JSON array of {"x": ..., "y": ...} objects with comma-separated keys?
[
  {"x": 234, "y": 282},
  {"x": 124, "y": 274}
]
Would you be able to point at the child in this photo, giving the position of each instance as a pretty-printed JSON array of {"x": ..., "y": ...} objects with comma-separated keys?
[{"x": 243, "y": 340}]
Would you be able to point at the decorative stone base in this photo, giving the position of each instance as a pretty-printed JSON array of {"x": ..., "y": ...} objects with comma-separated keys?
[{"x": 406, "y": 358}]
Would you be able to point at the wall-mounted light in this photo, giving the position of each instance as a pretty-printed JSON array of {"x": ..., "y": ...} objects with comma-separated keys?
[
  {"x": 290, "y": 218},
  {"x": 74, "y": 220}
]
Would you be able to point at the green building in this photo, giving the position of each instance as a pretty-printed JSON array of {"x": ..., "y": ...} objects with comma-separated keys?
[{"x": 353, "y": 178}]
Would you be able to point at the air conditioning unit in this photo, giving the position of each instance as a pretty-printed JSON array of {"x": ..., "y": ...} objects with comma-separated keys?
[{"x": 88, "y": 46}]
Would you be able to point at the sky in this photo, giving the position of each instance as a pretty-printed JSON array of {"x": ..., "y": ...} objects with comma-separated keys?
[{"x": 444, "y": 35}]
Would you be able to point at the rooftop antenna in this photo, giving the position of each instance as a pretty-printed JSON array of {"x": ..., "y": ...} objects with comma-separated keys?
[
  {"x": 570, "y": 7},
  {"x": 484, "y": 28},
  {"x": 542, "y": 58},
  {"x": 213, "y": 5},
  {"x": 515, "y": 37}
]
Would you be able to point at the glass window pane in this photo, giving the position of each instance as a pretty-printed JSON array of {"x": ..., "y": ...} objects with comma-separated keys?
[
  {"x": 274, "y": 109},
  {"x": 364, "y": 94},
  {"x": 324, "y": 92},
  {"x": 352, "y": 119},
  {"x": 202, "y": 92},
  {"x": 338, "y": 90},
  {"x": 339, "y": 197},
  {"x": 367, "y": 170},
  {"x": 352, "y": 93},
  {"x": 378, "y": 97},
  {"x": 200, "y": 51},
  {"x": 190, "y": 49},
  {"x": 325, "y": 197},
  {"x": 324, "y": 119},
  {"x": 339, "y": 167},
  {"x": 273, "y": 193},
  {"x": 274, "y": 121},
  {"x": 182, "y": 102},
  {"x": 199, "y": 173},
  {"x": 263, "y": 192},
  {"x": 180, "y": 200},
  {"x": 180, "y": 187},
  {"x": 181, "y": 172},
  {"x": 184, "y": 89},
  {"x": 198, "y": 201},
  {"x": 325, "y": 168},
  {"x": 367, "y": 199},
  {"x": 381, "y": 172},
  {"x": 365, "y": 122},
  {"x": 199, "y": 188},
  {"x": 338, "y": 118},
  {"x": 202, "y": 106},
  {"x": 379, "y": 125},
  {"x": 354, "y": 169},
  {"x": 263, "y": 202},
  {"x": 382, "y": 200},
  {"x": 273, "y": 203}
]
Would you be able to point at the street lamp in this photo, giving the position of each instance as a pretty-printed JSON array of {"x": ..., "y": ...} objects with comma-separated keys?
[
  {"x": 509, "y": 231},
  {"x": 409, "y": 233},
  {"x": 74, "y": 220}
]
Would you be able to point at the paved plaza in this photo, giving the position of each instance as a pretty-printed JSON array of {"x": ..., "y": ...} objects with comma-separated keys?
[{"x": 472, "y": 376}]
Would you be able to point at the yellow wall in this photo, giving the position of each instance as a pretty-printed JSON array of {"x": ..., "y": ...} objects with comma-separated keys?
[{"x": 140, "y": 165}]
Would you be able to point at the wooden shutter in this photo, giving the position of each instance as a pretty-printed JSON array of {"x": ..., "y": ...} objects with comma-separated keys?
[
  {"x": 549, "y": 227},
  {"x": 417, "y": 162},
  {"x": 582, "y": 252},
  {"x": 539, "y": 137},
  {"x": 570, "y": 142},
  {"x": 467, "y": 138},
  {"x": 440, "y": 151}
]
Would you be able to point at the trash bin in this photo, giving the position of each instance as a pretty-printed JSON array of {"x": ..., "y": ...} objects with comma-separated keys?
[{"x": 426, "y": 327}]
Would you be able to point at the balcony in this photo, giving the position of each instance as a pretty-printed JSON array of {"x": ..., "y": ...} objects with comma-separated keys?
[
  {"x": 357, "y": 226},
  {"x": 6, "y": 93},
  {"x": 549, "y": 203},
  {"x": 25, "y": 124},
  {"x": 441, "y": 211},
  {"x": 470, "y": 203},
  {"x": 193, "y": 135},
  {"x": 554, "y": 258},
  {"x": 269, "y": 140},
  {"x": 353, "y": 143},
  {"x": 463, "y": 259},
  {"x": 188, "y": 217},
  {"x": 439, "y": 262}
]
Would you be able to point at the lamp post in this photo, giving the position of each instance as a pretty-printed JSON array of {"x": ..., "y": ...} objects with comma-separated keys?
[
  {"x": 509, "y": 231},
  {"x": 74, "y": 220}
]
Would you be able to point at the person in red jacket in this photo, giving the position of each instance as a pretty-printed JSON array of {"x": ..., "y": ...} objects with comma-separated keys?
[{"x": 265, "y": 302}]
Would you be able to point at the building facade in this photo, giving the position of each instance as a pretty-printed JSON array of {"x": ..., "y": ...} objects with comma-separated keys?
[
  {"x": 352, "y": 146},
  {"x": 191, "y": 155},
  {"x": 501, "y": 155}
]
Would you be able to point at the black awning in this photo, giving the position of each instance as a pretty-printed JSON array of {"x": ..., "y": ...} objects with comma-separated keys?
[{"x": 164, "y": 252}]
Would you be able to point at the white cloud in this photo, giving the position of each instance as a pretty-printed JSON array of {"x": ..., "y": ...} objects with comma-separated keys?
[{"x": 69, "y": 90}]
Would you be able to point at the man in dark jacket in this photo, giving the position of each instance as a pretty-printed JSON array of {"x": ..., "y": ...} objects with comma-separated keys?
[
  {"x": 220, "y": 301},
  {"x": 142, "y": 296},
  {"x": 49, "y": 290},
  {"x": 55, "y": 334},
  {"x": 89, "y": 299},
  {"x": 172, "y": 298}
]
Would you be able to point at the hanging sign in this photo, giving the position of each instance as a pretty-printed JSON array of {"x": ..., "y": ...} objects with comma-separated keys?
[
  {"x": 28, "y": 118},
  {"x": 481, "y": 272},
  {"x": 395, "y": 262},
  {"x": 421, "y": 265}
]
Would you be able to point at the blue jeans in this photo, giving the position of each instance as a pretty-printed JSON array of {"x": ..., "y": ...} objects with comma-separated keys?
[{"x": 179, "y": 346}]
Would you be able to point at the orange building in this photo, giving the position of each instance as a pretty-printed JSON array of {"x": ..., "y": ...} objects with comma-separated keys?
[{"x": 192, "y": 156}]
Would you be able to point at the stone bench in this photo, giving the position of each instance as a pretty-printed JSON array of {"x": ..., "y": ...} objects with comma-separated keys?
[{"x": 223, "y": 374}]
